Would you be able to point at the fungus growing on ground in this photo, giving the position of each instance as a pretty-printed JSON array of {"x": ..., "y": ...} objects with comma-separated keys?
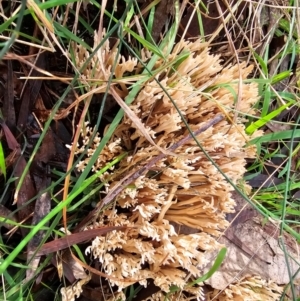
[
  {"x": 185, "y": 189},
  {"x": 248, "y": 289}
]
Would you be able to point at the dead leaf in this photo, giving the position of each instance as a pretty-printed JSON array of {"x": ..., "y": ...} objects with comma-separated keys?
[
  {"x": 72, "y": 239},
  {"x": 10, "y": 138},
  {"x": 47, "y": 149},
  {"x": 210, "y": 19},
  {"x": 278, "y": 126},
  {"x": 26, "y": 192},
  {"x": 74, "y": 266},
  {"x": 267, "y": 260},
  {"x": 31, "y": 93},
  {"x": 45, "y": 153},
  {"x": 6, "y": 213},
  {"x": 8, "y": 100},
  {"x": 264, "y": 181},
  {"x": 162, "y": 11},
  {"x": 67, "y": 267},
  {"x": 93, "y": 293},
  {"x": 42, "y": 208}
]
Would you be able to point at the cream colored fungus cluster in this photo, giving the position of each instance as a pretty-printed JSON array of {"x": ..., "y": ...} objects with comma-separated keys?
[
  {"x": 248, "y": 289},
  {"x": 185, "y": 189}
]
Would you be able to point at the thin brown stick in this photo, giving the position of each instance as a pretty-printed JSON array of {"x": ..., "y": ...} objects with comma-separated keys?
[{"x": 136, "y": 174}]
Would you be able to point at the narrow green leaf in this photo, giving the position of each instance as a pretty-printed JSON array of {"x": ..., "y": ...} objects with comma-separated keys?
[
  {"x": 261, "y": 122},
  {"x": 150, "y": 25},
  {"x": 145, "y": 43},
  {"x": 281, "y": 76},
  {"x": 129, "y": 16},
  {"x": 45, "y": 5},
  {"x": 8, "y": 278},
  {"x": 281, "y": 187},
  {"x": 26, "y": 36},
  {"x": 219, "y": 260},
  {"x": 2, "y": 161},
  {"x": 286, "y": 96},
  {"x": 62, "y": 31},
  {"x": 275, "y": 137},
  {"x": 86, "y": 25},
  {"x": 285, "y": 25},
  {"x": 262, "y": 64},
  {"x": 53, "y": 3},
  {"x": 268, "y": 196},
  {"x": 267, "y": 100}
]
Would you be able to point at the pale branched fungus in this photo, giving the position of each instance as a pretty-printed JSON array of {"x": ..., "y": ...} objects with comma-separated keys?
[
  {"x": 72, "y": 292},
  {"x": 248, "y": 289},
  {"x": 185, "y": 189}
]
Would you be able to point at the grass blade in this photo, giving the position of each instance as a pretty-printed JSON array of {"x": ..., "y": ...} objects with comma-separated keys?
[
  {"x": 275, "y": 136},
  {"x": 219, "y": 260},
  {"x": 2, "y": 161},
  {"x": 261, "y": 122}
]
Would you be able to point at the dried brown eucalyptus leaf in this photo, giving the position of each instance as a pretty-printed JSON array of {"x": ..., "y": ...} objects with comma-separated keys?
[{"x": 255, "y": 252}]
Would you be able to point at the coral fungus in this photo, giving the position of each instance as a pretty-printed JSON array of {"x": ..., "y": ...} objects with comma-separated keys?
[{"x": 185, "y": 189}]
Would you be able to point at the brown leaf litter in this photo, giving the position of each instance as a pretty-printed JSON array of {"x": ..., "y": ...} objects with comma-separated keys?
[{"x": 33, "y": 204}]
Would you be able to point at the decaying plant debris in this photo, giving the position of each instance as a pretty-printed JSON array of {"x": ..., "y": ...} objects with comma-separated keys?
[{"x": 184, "y": 189}]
